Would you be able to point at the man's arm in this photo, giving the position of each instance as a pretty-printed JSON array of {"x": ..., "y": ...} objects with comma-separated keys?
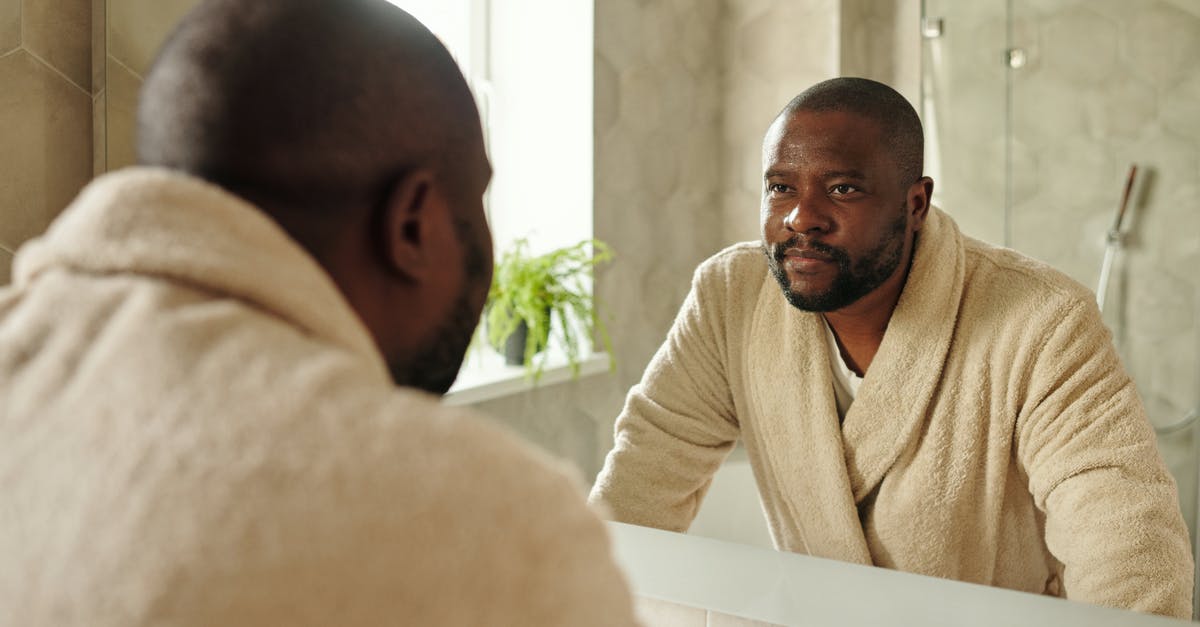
[
  {"x": 678, "y": 424},
  {"x": 1112, "y": 512}
]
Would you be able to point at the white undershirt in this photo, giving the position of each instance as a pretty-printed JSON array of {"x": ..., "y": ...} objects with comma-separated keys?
[{"x": 845, "y": 380}]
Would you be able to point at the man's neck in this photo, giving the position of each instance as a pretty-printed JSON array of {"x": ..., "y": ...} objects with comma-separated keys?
[{"x": 860, "y": 326}]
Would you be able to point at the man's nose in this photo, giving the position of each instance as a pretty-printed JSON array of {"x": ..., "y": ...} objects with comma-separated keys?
[{"x": 807, "y": 217}]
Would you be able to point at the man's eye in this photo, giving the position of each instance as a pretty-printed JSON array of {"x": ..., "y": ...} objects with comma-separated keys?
[
  {"x": 778, "y": 188},
  {"x": 843, "y": 189}
]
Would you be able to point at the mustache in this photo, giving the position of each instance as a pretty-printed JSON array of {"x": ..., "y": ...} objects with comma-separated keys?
[{"x": 778, "y": 251}]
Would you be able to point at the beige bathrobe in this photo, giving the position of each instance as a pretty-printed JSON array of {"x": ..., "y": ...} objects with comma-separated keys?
[
  {"x": 995, "y": 439},
  {"x": 196, "y": 429}
]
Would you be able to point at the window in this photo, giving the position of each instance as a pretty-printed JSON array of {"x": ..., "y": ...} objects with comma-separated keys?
[{"x": 529, "y": 64}]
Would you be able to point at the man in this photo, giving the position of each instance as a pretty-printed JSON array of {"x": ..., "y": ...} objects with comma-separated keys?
[
  {"x": 197, "y": 422},
  {"x": 995, "y": 437}
]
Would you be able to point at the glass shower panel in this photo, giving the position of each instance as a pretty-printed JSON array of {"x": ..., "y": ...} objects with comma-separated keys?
[
  {"x": 1105, "y": 86},
  {"x": 963, "y": 108},
  {"x": 1037, "y": 110}
]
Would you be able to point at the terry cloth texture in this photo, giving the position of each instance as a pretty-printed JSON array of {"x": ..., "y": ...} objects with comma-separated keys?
[
  {"x": 996, "y": 438},
  {"x": 196, "y": 429}
]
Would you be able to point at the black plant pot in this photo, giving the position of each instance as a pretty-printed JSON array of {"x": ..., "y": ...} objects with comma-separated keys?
[{"x": 514, "y": 345}]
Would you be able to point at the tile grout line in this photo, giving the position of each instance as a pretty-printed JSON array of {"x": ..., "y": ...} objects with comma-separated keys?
[
  {"x": 56, "y": 71},
  {"x": 126, "y": 67}
]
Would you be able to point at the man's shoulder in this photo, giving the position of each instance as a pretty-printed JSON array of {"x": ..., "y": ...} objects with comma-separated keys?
[
  {"x": 1012, "y": 275},
  {"x": 735, "y": 266}
]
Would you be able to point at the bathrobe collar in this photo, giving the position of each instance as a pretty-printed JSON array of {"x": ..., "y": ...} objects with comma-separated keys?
[
  {"x": 162, "y": 223},
  {"x": 825, "y": 469}
]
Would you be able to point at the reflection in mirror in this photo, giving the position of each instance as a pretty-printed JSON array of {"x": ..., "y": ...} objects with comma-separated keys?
[
  {"x": 1109, "y": 128},
  {"x": 1037, "y": 156},
  {"x": 1030, "y": 155}
]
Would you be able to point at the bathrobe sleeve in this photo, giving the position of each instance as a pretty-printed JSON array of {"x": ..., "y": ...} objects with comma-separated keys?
[
  {"x": 678, "y": 424},
  {"x": 1112, "y": 514}
]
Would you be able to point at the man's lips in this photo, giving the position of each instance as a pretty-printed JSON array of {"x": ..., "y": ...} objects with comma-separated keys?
[
  {"x": 805, "y": 260},
  {"x": 807, "y": 253}
]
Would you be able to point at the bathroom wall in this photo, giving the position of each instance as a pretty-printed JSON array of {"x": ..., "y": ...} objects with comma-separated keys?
[
  {"x": 136, "y": 29},
  {"x": 1109, "y": 84},
  {"x": 48, "y": 89},
  {"x": 71, "y": 70},
  {"x": 1105, "y": 84}
]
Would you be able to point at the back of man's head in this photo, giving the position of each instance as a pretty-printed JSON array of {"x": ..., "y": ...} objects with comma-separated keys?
[
  {"x": 874, "y": 101},
  {"x": 350, "y": 124},
  {"x": 304, "y": 106}
]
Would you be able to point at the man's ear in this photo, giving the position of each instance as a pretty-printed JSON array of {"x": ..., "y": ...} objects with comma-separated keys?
[
  {"x": 919, "y": 194},
  {"x": 408, "y": 217}
]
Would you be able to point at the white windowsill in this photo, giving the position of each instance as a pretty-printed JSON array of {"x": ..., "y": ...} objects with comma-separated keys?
[{"x": 484, "y": 376}]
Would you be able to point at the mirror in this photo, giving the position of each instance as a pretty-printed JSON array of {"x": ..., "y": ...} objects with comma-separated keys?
[{"x": 1029, "y": 150}]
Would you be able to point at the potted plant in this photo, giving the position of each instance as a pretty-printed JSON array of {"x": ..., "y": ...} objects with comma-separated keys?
[{"x": 529, "y": 292}]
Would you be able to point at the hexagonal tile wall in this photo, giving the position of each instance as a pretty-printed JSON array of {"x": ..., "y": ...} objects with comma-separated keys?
[
  {"x": 1163, "y": 42},
  {"x": 136, "y": 28},
  {"x": 1080, "y": 45},
  {"x": 10, "y": 26},
  {"x": 47, "y": 154},
  {"x": 5, "y": 266},
  {"x": 1111, "y": 83},
  {"x": 59, "y": 32}
]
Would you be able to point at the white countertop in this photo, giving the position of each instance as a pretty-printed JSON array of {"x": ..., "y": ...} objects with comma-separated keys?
[{"x": 791, "y": 589}]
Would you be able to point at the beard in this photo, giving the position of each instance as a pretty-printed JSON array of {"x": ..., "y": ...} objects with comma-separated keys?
[
  {"x": 434, "y": 366},
  {"x": 854, "y": 279}
]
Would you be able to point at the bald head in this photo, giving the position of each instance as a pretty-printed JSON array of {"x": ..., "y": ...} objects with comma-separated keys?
[
  {"x": 349, "y": 123},
  {"x": 874, "y": 101},
  {"x": 305, "y": 107}
]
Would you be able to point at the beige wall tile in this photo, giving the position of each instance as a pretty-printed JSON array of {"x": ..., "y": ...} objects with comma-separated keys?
[
  {"x": 60, "y": 33},
  {"x": 120, "y": 115},
  {"x": 136, "y": 29},
  {"x": 99, "y": 43},
  {"x": 867, "y": 46},
  {"x": 1163, "y": 42},
  {"x": 654, "y": 201},
  {"x": 1181, "y": 109},
  {"x": 10, "y": 25},
  {"x": 5, "y": 267},
  {"x": 99, "y": 134},
  {"x": 45, "y": 150},
  {"x": 1081, "y": 43}
]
